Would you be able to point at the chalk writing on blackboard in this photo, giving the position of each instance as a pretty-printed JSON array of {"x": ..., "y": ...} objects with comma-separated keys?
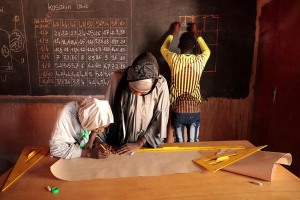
[
  {"x": 208, "y": 27},
  {"x": 11, "y": 42},
  {"x": 80, "y": 52},
  {"x": 69, "y": 7},
  {"x": 55, "y": 47}
]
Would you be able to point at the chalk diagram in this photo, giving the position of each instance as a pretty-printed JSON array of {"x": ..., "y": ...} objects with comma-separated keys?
[
  {"x": 208, "y": 28},
  {"x": 10, "y": 43}
]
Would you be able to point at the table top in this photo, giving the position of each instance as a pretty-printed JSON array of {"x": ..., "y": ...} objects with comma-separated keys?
[{"x": 196, "y": 185}]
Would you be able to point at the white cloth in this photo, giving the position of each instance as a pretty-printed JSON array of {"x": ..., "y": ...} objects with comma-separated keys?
[
  {"x": 68, "y": 134},
  {"x": 94, "y": 113},
  {"x": 144, "y": 85},
  {"x": 64, "y": 142}
]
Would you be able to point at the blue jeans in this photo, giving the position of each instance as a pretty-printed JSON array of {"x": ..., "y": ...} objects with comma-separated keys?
[{"x": 189, "y": 120}]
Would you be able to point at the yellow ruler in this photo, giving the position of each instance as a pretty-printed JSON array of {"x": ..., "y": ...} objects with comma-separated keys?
[
  {"x": 196, "y": 148},
  {"x": 29, "y": 156},
  {"x": 217, "y": 162}
]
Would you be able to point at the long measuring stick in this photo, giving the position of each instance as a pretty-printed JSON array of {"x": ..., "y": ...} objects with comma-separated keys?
[{"x": 196, "y": 148}]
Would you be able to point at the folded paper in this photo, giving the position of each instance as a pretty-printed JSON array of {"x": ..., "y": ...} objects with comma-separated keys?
[{"x": 261, "y": 164}]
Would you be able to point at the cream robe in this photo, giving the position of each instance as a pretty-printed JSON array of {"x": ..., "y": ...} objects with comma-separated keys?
[{"x": 65, "y": 140}]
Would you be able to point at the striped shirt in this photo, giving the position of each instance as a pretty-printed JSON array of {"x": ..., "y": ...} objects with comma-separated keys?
[{"x": 186, "y": 71}]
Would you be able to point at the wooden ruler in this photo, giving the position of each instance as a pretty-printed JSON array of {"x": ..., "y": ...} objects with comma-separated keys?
[
  {"x": 29, "y": 156},
  {"x": 217, "y": 162},
  {"x": 196, "y": 148}
]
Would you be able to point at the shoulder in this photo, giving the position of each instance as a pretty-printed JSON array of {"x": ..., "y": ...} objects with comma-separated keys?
[
  {"x": 70, "y": 109},
  {"x": 117, "y": 75},
  {"x": 162, "y": 82},
  {"x": 118, "y": 72},
  {"x": 176, "y": 56},
  {"x": 70, "y": 105}
]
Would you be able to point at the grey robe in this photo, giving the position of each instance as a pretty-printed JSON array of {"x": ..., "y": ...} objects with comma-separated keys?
[{"x": 146, "y": 115}]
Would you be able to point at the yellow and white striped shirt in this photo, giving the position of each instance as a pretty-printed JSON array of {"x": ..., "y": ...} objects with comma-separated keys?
[{"x": 186, "y": 71}]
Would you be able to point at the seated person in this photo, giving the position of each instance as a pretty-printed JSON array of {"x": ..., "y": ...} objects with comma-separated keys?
[
  {"x": 139, "y": 97},
  {"x": 77, "y": 127}
]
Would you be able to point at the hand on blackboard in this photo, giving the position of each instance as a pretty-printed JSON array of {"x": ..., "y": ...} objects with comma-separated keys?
[
  {"x": 193, "y": 27},
  {"x": 175, "y": 27}
]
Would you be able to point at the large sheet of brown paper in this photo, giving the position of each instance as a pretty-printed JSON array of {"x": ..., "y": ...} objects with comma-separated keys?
[
  {"x": 116, "y": 166},
  {"x": 259, "y": 165}
]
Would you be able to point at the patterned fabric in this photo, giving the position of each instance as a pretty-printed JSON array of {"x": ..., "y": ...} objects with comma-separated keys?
[
  {"x": 186, "y": 72},
  {"x": 144, "y": 66}
]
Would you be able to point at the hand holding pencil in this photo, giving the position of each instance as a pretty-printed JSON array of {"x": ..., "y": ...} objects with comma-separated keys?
[{"x": 107, "y": 148}]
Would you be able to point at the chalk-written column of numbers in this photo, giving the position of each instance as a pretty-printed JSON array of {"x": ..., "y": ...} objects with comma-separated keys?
[{"x": 80, "y": 52}]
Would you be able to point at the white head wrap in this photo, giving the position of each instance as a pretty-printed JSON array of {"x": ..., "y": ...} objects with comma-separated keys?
[
  {"x": 94, "y": 113},
  {"x": 143, "y": 85}
]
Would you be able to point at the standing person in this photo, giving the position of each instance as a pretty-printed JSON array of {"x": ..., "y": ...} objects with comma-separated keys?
[
  {"x": 186, "y": 70},
  {"x": 139, "y": 98},
  {"x": 76, "y": 129}
]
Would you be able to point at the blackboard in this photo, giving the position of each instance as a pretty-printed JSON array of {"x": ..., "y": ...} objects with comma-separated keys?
[{"x": 71, "y": 47}]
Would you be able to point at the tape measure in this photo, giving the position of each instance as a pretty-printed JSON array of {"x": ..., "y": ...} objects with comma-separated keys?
[
  {"x": 217, "y": 162},
  {"x": 196, "y": 148},
  {"x": 29, "y": 156}
]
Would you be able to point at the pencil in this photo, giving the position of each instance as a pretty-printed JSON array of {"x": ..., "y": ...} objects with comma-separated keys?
[{"x": 103, "y": 147}]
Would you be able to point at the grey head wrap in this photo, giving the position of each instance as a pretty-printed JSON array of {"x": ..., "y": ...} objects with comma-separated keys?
[{"x": 145, "y": 66}]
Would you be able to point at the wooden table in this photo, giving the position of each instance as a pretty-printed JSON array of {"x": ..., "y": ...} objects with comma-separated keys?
[{"x": 197, "y": 185}]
